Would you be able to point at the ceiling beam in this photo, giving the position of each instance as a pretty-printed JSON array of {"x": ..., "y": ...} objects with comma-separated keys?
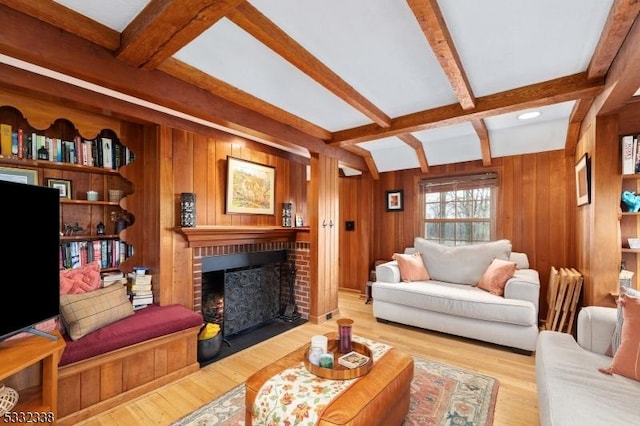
[
  {"x": 67, "y": 19},
  {"x": 198, "y": 78},
  {"x": 368, "y": 159},
  {"x": 260, "y": 27},
  {"x": 25, "y": 83},
  {"x": 415, "y": 143},
  {"x": 432, "y": 23},
  {"x": 623, "y": 78},
  {"x": 41, "y": 46},
  {"x": 483, "y": 134},
  {"x": 621, "y": 17},
  {"x": 550, "y": 92},
  {"x": 166, "y": 26},
  {"x": 579, "y": 112}
]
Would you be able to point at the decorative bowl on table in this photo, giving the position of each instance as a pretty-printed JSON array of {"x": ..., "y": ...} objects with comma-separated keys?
[{"x": 340, "y": 372}]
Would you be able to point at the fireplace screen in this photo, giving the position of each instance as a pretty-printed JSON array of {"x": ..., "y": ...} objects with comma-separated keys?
[{"x": 241, "y": 298}]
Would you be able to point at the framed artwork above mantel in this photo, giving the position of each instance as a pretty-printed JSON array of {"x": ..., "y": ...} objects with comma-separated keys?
[{"x": 250, "y": 187}]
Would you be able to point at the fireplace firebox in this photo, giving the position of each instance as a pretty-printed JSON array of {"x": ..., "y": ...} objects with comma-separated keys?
[{"x": 243, "y": 291}]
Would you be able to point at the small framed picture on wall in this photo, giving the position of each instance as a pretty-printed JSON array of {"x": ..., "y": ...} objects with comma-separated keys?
[
  {"x": 62, "y": 185},
  {"x": 395, "y": 200}
]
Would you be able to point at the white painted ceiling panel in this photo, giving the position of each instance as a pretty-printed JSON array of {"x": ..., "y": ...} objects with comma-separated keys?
[
  {"x": 541, "y": 137},
  {"x": 547, "y": 113},
  {"x": 376, "y": 47},
  {"x": 115, "y": 14},
  {"x": 399, "y": 158},
  {"x": 505, "y": 44},
  {"x": 384, "y": 143},
  {"x": 230, "y": 54},
  {"x": 448, "y": 132},
  {"x": 460, "y": 149}
]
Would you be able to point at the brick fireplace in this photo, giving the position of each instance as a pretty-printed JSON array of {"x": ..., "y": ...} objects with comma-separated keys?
[{"x": 225, "y": 241}]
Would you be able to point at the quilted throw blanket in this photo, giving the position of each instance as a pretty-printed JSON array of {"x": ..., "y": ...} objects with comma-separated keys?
[{"x": 297, "y": 396}]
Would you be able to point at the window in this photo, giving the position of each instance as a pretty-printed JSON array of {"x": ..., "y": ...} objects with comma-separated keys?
[{"x": 460, "y": 210}]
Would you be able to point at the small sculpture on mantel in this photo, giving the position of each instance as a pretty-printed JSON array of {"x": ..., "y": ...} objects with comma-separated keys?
[{"x": 631, "y": 200}]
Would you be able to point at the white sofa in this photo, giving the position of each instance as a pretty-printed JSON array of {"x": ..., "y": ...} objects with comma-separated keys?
[
  {"x": 444, "y": 304},
  {"x": 571, "y": 390}
]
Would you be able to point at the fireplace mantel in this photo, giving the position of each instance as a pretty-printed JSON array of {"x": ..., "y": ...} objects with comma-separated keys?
[{"x": 211, "y": 236}]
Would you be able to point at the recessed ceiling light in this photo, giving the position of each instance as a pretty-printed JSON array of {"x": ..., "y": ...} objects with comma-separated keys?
[{"x": 529, "y": 115}]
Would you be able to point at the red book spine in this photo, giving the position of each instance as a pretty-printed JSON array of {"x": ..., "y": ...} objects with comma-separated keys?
[{"x": 20, "y": 143}]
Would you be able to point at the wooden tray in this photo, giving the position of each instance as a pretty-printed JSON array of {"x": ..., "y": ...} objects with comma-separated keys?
[{"x": 340, "y": 372}]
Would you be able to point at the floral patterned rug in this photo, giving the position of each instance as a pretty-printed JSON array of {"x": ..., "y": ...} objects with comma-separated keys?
[{"x": 441, "y": 395}]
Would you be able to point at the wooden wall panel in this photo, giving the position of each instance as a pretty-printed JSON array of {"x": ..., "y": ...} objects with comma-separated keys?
[
  {"x": 598, "y": 251},
  {"x": 324, "y": 237},
  {"x": 535, "y": 206},
  {"x": 198, "y": 163}
]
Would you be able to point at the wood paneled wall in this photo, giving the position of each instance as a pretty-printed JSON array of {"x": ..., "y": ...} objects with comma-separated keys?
[
  {"x": 536, "y": 209},
  {"x": 191, "y": 162},
  {"x": 597, "y": 223}
]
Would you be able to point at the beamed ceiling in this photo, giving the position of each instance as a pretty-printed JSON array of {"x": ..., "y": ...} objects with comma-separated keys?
[{"x": 382, "y": 85}]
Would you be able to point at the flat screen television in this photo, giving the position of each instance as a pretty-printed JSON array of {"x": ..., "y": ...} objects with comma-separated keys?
[{"x": 30, "y": 279}]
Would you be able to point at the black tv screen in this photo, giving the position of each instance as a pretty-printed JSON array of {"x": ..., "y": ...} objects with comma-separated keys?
[{"x": 30, "y": 280}]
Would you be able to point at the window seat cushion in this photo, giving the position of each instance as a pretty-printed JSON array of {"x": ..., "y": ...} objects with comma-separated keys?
[{"x": 148, "y": 323}]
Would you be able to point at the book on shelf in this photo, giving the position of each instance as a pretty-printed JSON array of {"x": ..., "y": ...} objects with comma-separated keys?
[
  {"x": 353, "y": 359},
  {"x": 20, "y": 152},
  {"x": 107, "y": 153},
  {"x": 14, "y": 144},
  {"x": 139, "y": 287},
  {"x": 5, "y": 139},
  {"x": 111, "y": 278},
  {"x": 142, "y": 306},
  {"x": 142, "y": 300},
  {"x": 140, "y": 279},
  {"x": 630, "y": 155}
]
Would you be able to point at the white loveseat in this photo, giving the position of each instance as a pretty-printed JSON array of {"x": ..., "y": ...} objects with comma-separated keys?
[
  {"x": 451, "y": 303},
  {"x": 571, "y": 390}
]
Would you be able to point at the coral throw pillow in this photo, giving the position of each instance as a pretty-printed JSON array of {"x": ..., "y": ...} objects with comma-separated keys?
[
  {"x": 411, "y": 267},
  {"x": 496, "y": 276},
  {"x": 617, "y": 333},
  {"x": 626, "y": 361},
  {"x": 80, "y": 280}
]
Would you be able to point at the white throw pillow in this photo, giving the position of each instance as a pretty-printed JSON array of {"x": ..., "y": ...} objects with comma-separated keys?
[{"x": 461, "y": 264}]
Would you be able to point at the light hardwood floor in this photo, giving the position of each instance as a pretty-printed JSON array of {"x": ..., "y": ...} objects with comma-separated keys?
[{"x": 517, "y": 402}]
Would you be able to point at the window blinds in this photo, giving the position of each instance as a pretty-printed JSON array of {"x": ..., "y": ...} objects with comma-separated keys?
[{"x": 454, "y": 183}]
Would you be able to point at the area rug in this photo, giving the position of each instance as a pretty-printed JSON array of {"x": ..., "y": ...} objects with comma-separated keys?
[{"x": 440, "y": 395}]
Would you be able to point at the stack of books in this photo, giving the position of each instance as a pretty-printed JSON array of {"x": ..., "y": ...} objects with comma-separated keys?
[
  {"x": 140, "y": 289},
  {"x": 111, "y": 278}
]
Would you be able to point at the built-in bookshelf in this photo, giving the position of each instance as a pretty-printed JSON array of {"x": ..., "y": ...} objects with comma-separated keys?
[
  {"x": 630, "y": 219},
  {"x": 630, "y": 155},
  {"x": 84, "y": 168}
]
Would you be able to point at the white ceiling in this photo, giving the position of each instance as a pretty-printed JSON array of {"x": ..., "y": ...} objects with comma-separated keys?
[{"x": 379, "y": 49}]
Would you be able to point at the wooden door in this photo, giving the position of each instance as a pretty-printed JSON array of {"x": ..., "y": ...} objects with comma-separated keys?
[{"x": 324, "y": 211}]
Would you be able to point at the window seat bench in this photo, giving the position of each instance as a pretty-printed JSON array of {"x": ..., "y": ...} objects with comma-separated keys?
[{"x": 153, "y": 347}]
